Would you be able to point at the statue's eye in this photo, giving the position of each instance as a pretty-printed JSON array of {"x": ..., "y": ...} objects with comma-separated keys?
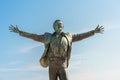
[{"x": 59, "y": 24}]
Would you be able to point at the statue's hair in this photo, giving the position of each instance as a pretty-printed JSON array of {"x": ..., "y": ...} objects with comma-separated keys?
[{"x": 56, "y": 22}]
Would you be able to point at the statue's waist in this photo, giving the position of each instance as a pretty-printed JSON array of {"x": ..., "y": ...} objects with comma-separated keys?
[{"x": 56, "y": 59}]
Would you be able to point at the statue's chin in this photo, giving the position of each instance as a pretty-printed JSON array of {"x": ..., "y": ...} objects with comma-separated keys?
[{"x": 58, "y": 31}]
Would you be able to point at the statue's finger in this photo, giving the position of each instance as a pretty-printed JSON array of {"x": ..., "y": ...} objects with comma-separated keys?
[
  {"x": 10, "y": 29},
  {"x": 97, "y": 26},
  {"x": 16, "y": 27},
  {"x": 101, "y": 27},
  {"x": 11, "y": 25}
]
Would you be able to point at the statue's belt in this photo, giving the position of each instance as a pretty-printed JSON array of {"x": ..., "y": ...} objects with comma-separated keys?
[{"x": 56, "y": 59}]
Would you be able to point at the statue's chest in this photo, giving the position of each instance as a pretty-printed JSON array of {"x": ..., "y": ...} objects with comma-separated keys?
[{"x": 58, "y": 41}]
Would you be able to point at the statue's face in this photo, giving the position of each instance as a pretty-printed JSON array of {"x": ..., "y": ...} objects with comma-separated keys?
[{"x": 58, "y": 26}]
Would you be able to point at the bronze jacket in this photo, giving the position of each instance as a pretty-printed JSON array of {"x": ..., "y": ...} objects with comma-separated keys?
[{"x": 45, "y": 38}]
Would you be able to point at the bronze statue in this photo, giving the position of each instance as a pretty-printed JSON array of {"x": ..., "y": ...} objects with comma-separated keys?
[{"x": 57, "y": 47}]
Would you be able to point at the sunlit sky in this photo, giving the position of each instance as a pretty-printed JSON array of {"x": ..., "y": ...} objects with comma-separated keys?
[{"x": 94, "y": 58}]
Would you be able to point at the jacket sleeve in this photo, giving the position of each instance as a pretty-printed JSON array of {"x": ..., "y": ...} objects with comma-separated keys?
[
  {"x": 35, "y": 37},
  {"x": 78, "y": 37}
]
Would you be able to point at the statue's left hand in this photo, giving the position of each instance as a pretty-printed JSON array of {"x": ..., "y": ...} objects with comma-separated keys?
[{"x": 99, "y": 29}]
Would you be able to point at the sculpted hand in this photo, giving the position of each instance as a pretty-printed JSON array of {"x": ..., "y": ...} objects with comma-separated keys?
[
  {"x": 99, "y": 29},
  {"x": 14, "y": 29}
]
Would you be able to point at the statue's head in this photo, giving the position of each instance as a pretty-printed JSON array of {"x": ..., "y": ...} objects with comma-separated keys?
[{"x": 58, "y": 26}]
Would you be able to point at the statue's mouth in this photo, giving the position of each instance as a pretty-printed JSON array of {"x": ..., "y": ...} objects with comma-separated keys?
[{"x": 60, "y": 27}]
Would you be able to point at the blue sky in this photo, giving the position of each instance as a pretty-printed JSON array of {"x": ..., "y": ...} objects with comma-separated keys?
[{"x": 94, "y": 58}]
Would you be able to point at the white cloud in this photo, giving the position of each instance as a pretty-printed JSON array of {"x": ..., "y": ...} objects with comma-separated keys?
[
  {"x": 35, "y": 77},
  {"x": 87, "y": 75},
  {"x": 76, "y": 71},
  {"x": 27, "y": 48},
  {"x": 111, "y": 26},
  {"x": 101, "y": 75},
  {"x": 23, "y": 69},
  {"x": 75, "y": 62},
  {"x": 13, "y": 63}
]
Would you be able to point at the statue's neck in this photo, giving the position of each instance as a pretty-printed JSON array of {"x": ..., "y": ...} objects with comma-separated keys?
[{"x": 58, "y": 33}]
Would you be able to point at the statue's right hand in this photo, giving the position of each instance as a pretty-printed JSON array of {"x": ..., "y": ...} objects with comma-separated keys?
[{"x": 14, "y": 29}]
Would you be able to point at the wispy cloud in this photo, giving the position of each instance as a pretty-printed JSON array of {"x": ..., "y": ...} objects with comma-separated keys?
[
  {"x": 101, "y": 75},
  {"x": 35, "y": 77},
  {"x": 87, "y": 75},
  {"x": 27, "y": 48},
  {"x": 111, "y": 26},
  {"x": 13, "y": 63},
  {"x": 108, "y": 26},
  {"x": 75, "y": 71},
  {"x": 75, "y": 62},
  {"x": 23, "y": 68}
]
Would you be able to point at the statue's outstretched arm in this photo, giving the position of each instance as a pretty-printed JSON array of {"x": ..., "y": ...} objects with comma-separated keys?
[
  {"x": 78, "y": 37},
  {"x": 35, "y": 37}
]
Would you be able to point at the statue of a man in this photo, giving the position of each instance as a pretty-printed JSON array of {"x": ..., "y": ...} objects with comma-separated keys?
[{"x": 57, "y": 47}]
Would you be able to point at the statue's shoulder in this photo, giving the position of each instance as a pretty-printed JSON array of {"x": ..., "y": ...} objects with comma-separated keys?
[
  {"x": 68, "y": 34},
  {"x": 47, "y": 37},
  {"x": 47, "y": 34}
]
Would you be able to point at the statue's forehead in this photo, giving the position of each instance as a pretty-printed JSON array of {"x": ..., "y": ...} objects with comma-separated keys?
[{"x": 59, "y": 22}]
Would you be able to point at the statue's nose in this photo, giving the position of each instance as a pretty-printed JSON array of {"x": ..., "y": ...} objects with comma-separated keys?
[{"x": 59, "y": 24}]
